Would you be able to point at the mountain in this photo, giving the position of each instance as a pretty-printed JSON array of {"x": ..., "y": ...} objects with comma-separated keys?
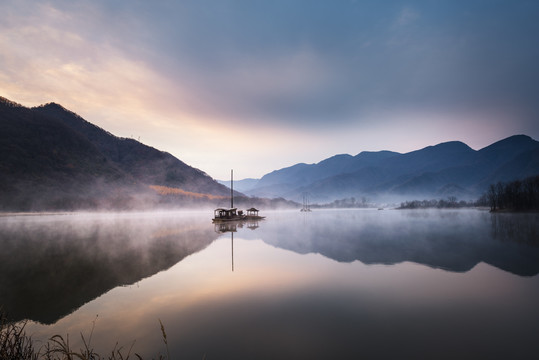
[
  {"x": 240, "y": 185},
  {"x": 54, "y": 159},
  {"x": 144, "y": 163},
  {"x": 447, "y": 169}
]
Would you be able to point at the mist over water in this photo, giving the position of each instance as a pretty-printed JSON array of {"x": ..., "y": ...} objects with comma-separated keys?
[{"x": 438, "y": 284}]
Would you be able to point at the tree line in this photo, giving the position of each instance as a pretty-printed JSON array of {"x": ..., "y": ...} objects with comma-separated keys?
[
  {"x": 518, "y": 195},
  {"x": 346, "y": 203},
  {"x": 450, "y": 203}
]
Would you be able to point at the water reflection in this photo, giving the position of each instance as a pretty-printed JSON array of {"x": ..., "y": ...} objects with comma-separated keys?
[
  {"x": 451, "y": 240},
  {"x": 287, "y": 299},
  {"x": 232, "y": 227},
  {"x": 51, "y": 265},
  {"x": 522, "y": 228}
]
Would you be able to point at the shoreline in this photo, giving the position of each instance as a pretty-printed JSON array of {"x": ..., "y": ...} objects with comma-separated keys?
[
  {"x": 26, "y": 213},
  {"x": 513, "y": 211}
]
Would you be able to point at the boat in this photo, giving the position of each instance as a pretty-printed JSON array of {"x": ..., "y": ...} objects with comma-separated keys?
[
  {"x": 225, "y": 215},
  {"x": 222, "y": 215},
  {"x": 306, "y": 207}
]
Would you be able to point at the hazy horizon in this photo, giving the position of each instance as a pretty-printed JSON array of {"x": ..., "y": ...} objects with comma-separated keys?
[{"x": 259, "y": 86}]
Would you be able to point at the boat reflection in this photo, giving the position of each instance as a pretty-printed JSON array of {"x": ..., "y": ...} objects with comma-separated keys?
[{"x": 232, "y": 227}]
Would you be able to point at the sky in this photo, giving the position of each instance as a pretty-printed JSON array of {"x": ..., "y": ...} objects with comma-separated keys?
[{"x": 261, "y": 85}]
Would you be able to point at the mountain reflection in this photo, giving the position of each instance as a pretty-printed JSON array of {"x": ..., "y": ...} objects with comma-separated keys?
[
  {"x": 451, "y": 240},
  {"x": 51, "y": 265}
]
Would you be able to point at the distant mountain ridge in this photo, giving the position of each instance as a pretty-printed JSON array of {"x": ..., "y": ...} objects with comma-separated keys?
[
  {"x": 447, "y": 169},
  {"x": 54, "y": 159},
  {"x": 240, "y": 185}
]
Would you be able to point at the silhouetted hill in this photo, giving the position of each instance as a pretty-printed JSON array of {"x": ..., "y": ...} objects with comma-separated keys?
[
  {"x": 54, "y": 159},
  {"x": 301, "y": 174},
  {"x": 146, "y": 164},
  {"x": 506, "y": 149},
  {"x": 446, "y": 169},
  {"x": 45, "y": 164},
  {"x": 515, "y": 157}
]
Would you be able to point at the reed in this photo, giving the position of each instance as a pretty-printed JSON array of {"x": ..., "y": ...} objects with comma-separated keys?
[
  {"x": 15, "y": 344},
  {"x": 164, "y": 334}
]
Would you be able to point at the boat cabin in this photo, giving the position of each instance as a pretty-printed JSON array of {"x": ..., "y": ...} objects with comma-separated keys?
[
  {"x": 227, "y": 214},
  {"x": 252, "y": 212}
]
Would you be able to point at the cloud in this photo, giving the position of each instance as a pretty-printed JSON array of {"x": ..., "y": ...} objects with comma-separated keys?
[
  {"x": 183, "y": 75},
  {"x": 52, "y": 59},
  {"x": 406, "y": 17},
  {"x": 280, "y": 88}
]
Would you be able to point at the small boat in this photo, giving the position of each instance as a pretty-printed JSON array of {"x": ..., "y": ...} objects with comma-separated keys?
[
  {"x": 222, "y": 215},
  {"x": 225, "y": 215},
  {"x": 306, "y": 207}
]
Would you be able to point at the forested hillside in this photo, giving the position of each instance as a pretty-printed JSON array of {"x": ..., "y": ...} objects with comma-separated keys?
[{"x": 52, "y": 159}]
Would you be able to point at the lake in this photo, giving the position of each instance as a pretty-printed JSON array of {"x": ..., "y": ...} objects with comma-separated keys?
[{"x": 349, "y": 284}]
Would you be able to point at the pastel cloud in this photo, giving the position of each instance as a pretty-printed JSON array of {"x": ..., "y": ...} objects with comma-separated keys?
[{"x": 191, "y": 76}]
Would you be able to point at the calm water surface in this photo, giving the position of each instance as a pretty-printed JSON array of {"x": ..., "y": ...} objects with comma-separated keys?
[{"x": 322, "y": 285}]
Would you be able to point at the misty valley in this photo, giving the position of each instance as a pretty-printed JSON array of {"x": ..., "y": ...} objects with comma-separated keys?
[{"x": 352, "y": 283}]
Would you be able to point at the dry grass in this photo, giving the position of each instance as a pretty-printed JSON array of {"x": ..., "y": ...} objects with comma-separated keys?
[{"x": 16, "y": 345}]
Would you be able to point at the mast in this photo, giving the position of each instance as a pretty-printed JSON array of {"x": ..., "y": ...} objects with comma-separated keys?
[{"x": 231, "y": 188}]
